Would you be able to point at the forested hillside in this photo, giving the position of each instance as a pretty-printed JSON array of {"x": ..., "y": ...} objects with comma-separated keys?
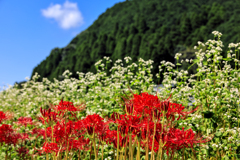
[{"x": 150, "y": 29}]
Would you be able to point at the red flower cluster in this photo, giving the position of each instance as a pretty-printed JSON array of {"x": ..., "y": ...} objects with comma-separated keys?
[
  {"x": 5, "y": 116},
  {"x": 64, "y": 134},
  {"x": 147, "y": 106},
  {"x": 25, "y": 121},
  {"x": 22, "y": 152},
  {"x": 147, "y": 120},
  {"x": 7, "y": 135},
  {"x": 2, "y": 116}
]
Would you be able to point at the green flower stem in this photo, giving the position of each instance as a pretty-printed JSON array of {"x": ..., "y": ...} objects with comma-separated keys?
[
  {"x": 125, "y": 154},
  {"x": 130, "y": 147},
  {"x": 6, "y": 156},
  {"x": 138, "y": 150},
  {"x": 117, "y": 142},
  {"x": 94, "y": 145},
  {"x": 155, "y": 124},
  {"x": 121, "y": 156},
  {"x": 134, "y": 145},
  {"x": 183, "y": 155},
  {"x": 193, "y": 155},
  {"x": 147, "y": 152},
  {"x": 102, "y": 151}
]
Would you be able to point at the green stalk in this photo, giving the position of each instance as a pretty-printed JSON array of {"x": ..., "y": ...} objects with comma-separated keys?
[
  {"x": 91, "y": 152},
  {"x": 138, "y": 151},
  {"x": 194, "y": 156},
  {"x": 134, "y": 145},
  {"x": 130, "y": 147},
  {"x": 66, "y": 158},
  {"x": 102, "y": 151},
  {"x": 183, "y": 158},
  {"x": 79, "y": 155},
  {"x": 121, "y": 156},
  {"x": 6, "y": 156},
  {"x": 152, "y": 155},
  {"x": 117, "y": 142},
  {"x": 161, "y": 145},
  {"x": 147, "y": 142},
  {"x": 94, "y": 145},
  {"x": 125, "y": 154}
]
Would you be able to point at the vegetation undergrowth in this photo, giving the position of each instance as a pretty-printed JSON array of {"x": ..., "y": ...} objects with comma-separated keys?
[{"x": 215, "y": 89}]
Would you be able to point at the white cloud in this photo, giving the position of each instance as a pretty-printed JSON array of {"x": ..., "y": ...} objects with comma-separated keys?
[{"x": 67, "y": 15}]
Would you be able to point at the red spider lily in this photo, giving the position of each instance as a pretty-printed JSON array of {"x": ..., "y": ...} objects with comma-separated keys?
[
  {"x": 63, "y": 131},
  {"x": 38, "y": 132},
  {"x": 143, "y": 128},
  {"x": 68, "y": 106},
  {"x": 2, "y": 116},
  {"x": 65, "y": 106},
  {"x": 110, "y": 136},
  {"x": 50, "y": 147},
  {"x": 145, "y": 103},
  {"x": 80, "y": 144},
  {"x": 23, "y": 136},
  {"x": 25, "y": 121},
  {"x": 7, "y": 135},
  {"x": 175, "y": 139},
  {"x": 113, "y": 139},
  {"x": 93, "y": 122},
  {"x": 22, "y": 152},
  {"x": 127, "y": 123},
  {"x": 103, "y": 131},
  {"x": 178, "y": 139},
  {"x": 114, "y": 116},
  {"x": 74, "y": 144},
  {"x": 48, "y": 116},
  {"x": 45, "y": 112},
  {"x": 79, "y": 128},
  {"x": 158, "y": 136},
  {"x": 5, "y": 116},
  {"x": 177, "y": 108}
]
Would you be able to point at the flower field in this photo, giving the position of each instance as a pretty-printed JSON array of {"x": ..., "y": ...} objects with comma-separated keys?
[{"x": 120, "y": 116}]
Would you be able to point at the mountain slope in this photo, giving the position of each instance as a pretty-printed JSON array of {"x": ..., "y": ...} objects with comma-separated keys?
[{"x": 150, "y": 29}]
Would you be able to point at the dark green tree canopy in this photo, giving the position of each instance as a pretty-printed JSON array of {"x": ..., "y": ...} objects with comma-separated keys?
[{"x": 150, "y": 29}]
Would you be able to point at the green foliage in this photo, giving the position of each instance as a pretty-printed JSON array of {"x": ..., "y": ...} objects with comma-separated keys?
[
  {"x": 215, "y": 91},
  {"x": 149, "y": 29}
]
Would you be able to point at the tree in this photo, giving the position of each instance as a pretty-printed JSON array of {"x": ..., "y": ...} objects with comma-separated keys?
[
  {"x": 142, "y": 25},
  {"x": 115, "y": 29},
  {"x": 110, "y": 44},
  {"x": 133, "y": 29},
  {"x": 143, "y": 51},
  {"x": 92, "y": 38},
  {"x": 120, "y": 50},
  {"x": 120, "y": 33},
  {"x": 135, "y": 47},
  {"x": 186, "y": 27}
]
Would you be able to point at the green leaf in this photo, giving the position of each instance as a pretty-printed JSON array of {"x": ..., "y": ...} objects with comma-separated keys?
[
  {"x": 218, "y": 134},
  {"x": 226, "y": 157},
  {"x": 224, "y": 102},
  {"x": 178, "y": 64},
  {"x": 227, "y": 59},
  {"x": 196, "y": 60},
  {"x": 225, "y": 134},
  {"x": 204, "y": 151},
  {"x": 202, "y": 128}
]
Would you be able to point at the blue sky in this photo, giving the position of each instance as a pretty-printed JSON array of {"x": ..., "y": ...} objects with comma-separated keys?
[{"x": 30, "y": 29}]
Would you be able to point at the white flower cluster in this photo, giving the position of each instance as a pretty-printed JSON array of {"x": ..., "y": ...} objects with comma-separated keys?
[
  {"x": 177, "y": 55},
  {"x": 216, "y": 33}
]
